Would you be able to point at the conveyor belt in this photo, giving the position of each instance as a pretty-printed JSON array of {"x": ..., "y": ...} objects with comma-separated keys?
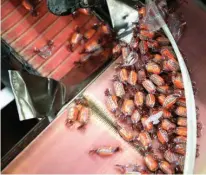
[{"x": 23, "y": 32}]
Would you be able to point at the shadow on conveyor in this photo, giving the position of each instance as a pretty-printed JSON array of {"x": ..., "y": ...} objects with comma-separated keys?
[{"x": 12, "y": 129}]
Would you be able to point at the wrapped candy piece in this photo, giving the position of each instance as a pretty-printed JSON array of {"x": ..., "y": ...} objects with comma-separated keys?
[
  {"x": 158, "y": 15},
  {"x": 176, "y": 25}
]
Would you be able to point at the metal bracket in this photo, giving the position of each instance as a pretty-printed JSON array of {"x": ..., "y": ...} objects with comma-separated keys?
[{"x": 123, "y": 15}]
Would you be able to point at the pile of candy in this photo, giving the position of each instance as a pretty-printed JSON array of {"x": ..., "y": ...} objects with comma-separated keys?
[{"x": 148, "y": 100}]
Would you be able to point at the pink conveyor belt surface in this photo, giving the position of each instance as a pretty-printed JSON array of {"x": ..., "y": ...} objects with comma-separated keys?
[{"x": 63, "y": 150}]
